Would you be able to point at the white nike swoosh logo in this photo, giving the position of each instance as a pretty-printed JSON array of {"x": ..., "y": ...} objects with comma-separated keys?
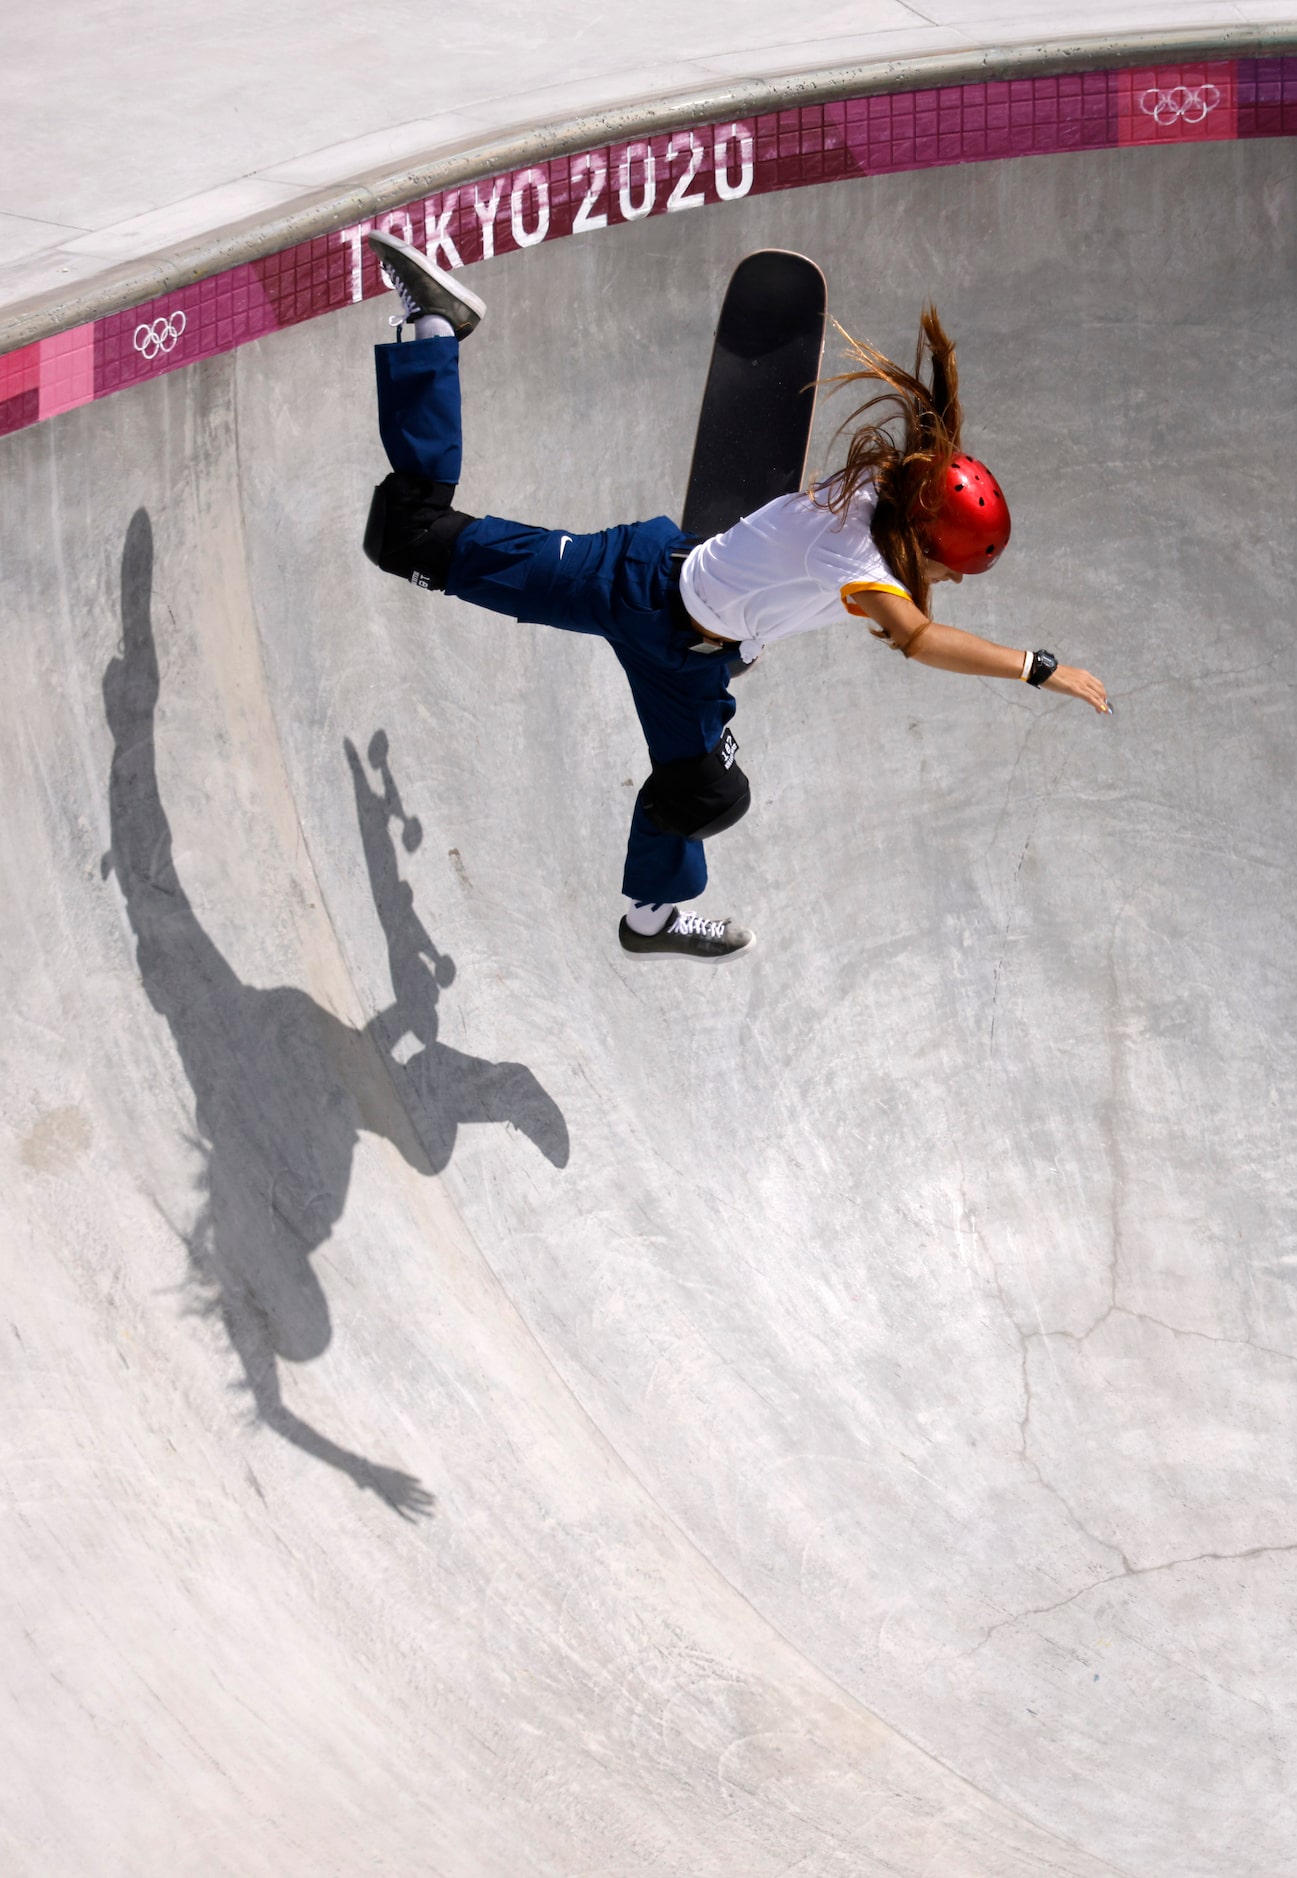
[{"x": 562, "y": 543}]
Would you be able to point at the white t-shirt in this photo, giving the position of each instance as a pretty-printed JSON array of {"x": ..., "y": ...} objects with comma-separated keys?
[{"x": 787, "y": 568}]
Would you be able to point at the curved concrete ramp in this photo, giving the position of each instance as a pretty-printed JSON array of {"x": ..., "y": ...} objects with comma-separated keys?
[{"x": 476, "y": 1407}]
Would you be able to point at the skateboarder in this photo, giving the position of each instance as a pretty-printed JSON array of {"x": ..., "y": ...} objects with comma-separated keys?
[{"x": 680, "y": 614}]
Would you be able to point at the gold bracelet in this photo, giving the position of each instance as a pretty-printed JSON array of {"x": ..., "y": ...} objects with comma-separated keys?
[{"x": 1025, "y": 673}]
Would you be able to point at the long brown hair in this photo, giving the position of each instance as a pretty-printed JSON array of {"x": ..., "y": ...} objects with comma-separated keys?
[{"x": 910, "y": 474}]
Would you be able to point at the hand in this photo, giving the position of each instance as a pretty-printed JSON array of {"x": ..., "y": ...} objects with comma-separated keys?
[
  {"x": 402, "y": 1492},
  {"x": 1079, "y": 684}
]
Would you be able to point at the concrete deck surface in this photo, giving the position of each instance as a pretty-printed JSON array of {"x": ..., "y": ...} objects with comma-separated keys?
[
  {"x": 125, "y": 133},
  {"x": 477, "y": 1406}
]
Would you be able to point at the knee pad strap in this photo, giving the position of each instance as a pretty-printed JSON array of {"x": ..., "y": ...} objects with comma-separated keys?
[{"x": 412, "y": 529}]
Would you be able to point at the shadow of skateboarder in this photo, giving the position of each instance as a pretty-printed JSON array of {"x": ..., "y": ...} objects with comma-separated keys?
[{"x": 282, "y": 1087}]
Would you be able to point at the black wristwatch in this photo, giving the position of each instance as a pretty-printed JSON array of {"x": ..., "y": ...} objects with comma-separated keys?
[{"x": 1043, "y": 666}]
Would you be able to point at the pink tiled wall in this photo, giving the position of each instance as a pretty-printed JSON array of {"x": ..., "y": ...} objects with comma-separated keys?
[{"x": 675, "y": 173}]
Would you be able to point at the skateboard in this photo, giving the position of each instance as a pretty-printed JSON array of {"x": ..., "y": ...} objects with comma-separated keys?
[{"x": 759, "y": 401}]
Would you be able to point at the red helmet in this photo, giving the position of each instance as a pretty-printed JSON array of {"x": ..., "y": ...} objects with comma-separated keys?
[{"x": 970, "y": 530}]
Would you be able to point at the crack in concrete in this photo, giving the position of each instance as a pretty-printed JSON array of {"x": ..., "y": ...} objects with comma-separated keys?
[
  {"x": 1032, "y": 1467},
  {"x": 1050, "y": 791},
  {"x": 1008, "y": 931},
  {"x": 1175, "y": 1330},
  {"x": 1128, "y": 1568},
  {"x": 1134, "y": 1571}
]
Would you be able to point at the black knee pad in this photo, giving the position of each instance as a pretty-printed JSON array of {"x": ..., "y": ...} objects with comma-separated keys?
[
  {"x": 412, "y": 529},
  {"x": 699, "y": 796}
]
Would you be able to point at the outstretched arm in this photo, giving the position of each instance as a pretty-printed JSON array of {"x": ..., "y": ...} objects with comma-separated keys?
[
  {"x": 245, "y": 1326},
  {"x": 948, "y": 649}
]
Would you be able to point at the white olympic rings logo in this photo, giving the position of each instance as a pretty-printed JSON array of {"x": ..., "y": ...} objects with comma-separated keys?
[
  {"x": 1182, "y": 104},
  {"x": 162, "y": 336}
]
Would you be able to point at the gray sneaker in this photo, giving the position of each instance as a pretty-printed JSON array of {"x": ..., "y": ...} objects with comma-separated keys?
[
  {"x": 688, "y": 936},
  {"x": 425, "y": 288}
]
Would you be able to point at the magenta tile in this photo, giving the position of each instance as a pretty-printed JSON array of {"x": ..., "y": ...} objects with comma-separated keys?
[
  {"x": 20, "y": 410},
  {"x": 67, "y": 371},
  {"x": 20, "y": 372},
  {"x": 1267, "y": 97},
  {"x": 139, "y": 344},
  {"x": 1187, "y": 103}
]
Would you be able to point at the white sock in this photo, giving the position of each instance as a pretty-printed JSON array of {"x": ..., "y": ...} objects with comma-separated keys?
[
  {"x": 433, "y": 326},
  {"x": 647, "y": 918}
]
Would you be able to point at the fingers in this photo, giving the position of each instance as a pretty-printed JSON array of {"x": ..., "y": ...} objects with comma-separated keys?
[
  {"x": 1096, "y": 695},
  {"x": 1082, "y": 685}
]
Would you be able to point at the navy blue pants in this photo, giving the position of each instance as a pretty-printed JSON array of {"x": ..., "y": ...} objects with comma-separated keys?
[{"x": 615, "y": 584}]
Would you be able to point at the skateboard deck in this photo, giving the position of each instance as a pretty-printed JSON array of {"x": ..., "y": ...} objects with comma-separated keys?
[{"x": 755, "y": 424}]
